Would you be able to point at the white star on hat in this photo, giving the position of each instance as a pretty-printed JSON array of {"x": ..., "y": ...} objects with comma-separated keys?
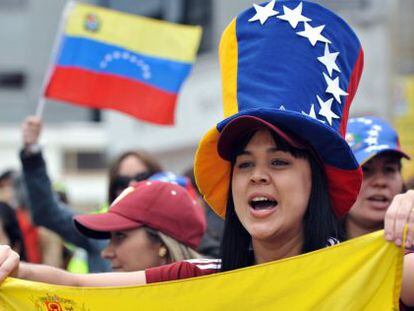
[
  {"x": 282, "y": 107},
  {"x": 328, "y": 59},
  {"x": 373, "y": 132},
  {"x": 326, "y": 110},
  {"x": 263, "y": 13},
  {"x": 293, "y": 16},
  {"x": 376, "y": 147},
  {"x": 313, "y": 34},
  {"x": 333, "y": 88},
  {"x": 364, "y": 120},
  {"x": 371, "y": 140},
  {"x": 312, "y": 113}
]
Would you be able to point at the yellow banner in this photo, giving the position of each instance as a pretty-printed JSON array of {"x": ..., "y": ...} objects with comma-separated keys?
[
  {"x": 362, "y": 274},
  {"x": 404, "y": 122},
  {"x": 136, "y": 33}
]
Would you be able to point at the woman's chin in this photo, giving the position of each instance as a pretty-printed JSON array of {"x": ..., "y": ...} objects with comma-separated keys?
[{"x": 263, "y": 232}]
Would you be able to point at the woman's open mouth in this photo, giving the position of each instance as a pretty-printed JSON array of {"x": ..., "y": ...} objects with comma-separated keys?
[
  {"x": 379, "y": 201},
  {"x": 262, "y": 206}
]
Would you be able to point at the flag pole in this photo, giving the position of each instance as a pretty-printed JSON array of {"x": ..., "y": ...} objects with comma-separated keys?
[{"x": 41, "y": 102}]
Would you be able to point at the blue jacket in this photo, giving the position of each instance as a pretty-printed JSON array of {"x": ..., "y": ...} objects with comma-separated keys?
[{"x": 48, "y": 212}]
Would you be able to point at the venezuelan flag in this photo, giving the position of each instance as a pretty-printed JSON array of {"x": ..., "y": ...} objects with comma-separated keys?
[{"x": 113, "y": 60}]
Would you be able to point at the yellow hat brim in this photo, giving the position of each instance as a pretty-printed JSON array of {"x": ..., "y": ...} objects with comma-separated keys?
[{"x": 212, "y": 173}]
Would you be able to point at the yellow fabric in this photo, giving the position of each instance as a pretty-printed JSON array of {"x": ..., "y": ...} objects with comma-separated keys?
[
  {"x": 212, "y": 173},
  {"x": 228, "y": 54},
  {"x": 362, "y": 274},
  {"x": 138, "y": 34}
]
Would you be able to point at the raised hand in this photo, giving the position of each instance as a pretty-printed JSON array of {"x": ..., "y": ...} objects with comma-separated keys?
[{"x": 31, "y": 129}]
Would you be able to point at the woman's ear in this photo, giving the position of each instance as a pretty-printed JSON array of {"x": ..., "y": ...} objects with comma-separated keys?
[{"x": 162, "y": 252}]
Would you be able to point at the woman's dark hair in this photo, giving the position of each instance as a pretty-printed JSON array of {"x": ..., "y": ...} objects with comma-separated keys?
[
  {"x": 8, "y": 221},
  {"x": 117, "y": 183},
  {"x": 319, "y": 222}
]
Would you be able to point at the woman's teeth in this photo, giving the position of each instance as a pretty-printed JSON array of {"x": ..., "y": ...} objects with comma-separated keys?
[
  {"x": 258, "y": 203},
  {"x": 378, "y": 198}
]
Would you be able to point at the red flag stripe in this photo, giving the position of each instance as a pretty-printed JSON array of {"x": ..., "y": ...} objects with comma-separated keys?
[{"x": 90, "y": 89}]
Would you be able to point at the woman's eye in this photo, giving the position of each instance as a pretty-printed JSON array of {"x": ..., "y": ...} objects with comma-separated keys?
[
  {"x": 278, "y": 162},
  {"x": 244, "y": 164},
  {"x": 391, "y": 169},
  {"x": 119, "y": 236},
  {"x": 365, "y": 169}
]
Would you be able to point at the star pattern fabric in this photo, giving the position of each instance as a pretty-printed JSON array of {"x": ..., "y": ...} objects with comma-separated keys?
[
  {"x": 263, "y": 13},
  {"x": 293, "y": 16},
  {"x": 334, "y": 89},
  {"x": 329, "y": 60},
  {"x": 326, "y": 110},
  {"x": 313, "y": 34}
]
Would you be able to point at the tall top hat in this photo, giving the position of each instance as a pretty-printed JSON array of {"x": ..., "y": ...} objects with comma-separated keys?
[{"x": 295, "y": 65}]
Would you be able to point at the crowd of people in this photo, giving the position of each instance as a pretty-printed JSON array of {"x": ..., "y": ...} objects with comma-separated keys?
[{"x": 287, "y": 176}]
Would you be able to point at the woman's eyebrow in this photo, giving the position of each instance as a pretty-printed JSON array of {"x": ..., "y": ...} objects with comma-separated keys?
[{"x": 244, "y": 152}]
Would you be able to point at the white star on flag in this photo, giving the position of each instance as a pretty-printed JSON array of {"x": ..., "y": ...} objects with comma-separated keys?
[
  {"x": 293, "y": 16},
  {"x": 371, "y": 140},
  {"x": 263, "y": 13},
  {"x": 282, "y": 107},
  {"x": 333, "y": 88},
  {"x": 328, "y": 59},
  {"x": 377, "y": 127},
  {"x": 326, "y": 109},
  {"x": 313, "y": 34}
]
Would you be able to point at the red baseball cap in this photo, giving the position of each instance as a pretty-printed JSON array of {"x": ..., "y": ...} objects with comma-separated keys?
[
  {"x": 237, "y": 128},
  {"x": 162, "y": 206}
]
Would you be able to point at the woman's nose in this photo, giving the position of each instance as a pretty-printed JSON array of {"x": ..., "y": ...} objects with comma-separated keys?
[
  {"x": 108, "y": 252},
  {"x": 379, "y": 180},
  {"x": 259, "y": 175}
]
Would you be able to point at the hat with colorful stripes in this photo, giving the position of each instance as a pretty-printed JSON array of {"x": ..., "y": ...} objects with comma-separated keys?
[{"x": 296, "y": 65}]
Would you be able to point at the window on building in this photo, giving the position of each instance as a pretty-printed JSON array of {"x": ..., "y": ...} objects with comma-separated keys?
[
  {"x": 12, "y": 80},
  {"x": 81, "y": 161}
]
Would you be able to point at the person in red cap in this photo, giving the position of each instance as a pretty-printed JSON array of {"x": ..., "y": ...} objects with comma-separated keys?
[
  {"x": 151, "y": 223},
  {"x": 277, "y": 168}
]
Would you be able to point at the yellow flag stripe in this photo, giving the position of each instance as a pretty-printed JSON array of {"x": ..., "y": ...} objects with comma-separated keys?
[{"x": 138, "y": 34}]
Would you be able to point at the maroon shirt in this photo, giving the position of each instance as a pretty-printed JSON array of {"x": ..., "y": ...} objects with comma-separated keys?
[{"x": 182, "y": 270}]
